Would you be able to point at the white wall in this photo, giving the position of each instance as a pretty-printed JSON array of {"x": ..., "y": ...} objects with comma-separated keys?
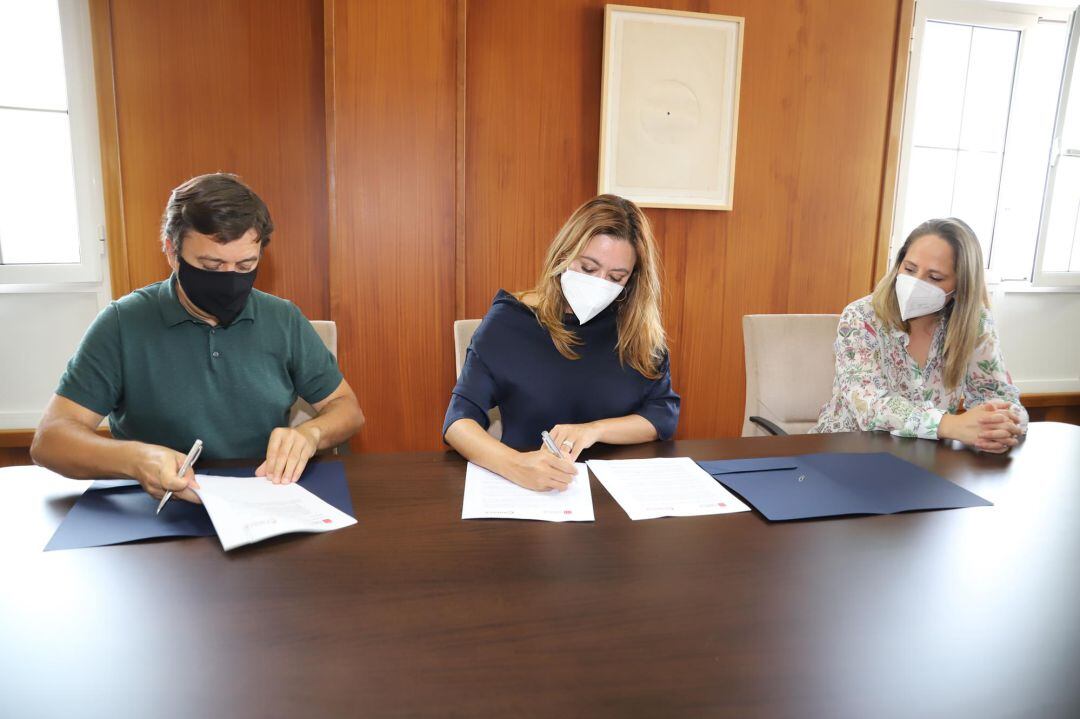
[
  {"x": 1040, "y": 337},
  {"x": 40, "y": 332}
]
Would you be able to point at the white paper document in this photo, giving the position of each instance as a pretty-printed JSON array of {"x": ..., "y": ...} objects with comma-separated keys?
[
  {"x": 663, "y": 487},
  {"x": 487, "y": 495},
  {"x": 246, "y": 510}
]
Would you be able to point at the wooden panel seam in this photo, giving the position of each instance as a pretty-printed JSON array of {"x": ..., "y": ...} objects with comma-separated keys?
[
  {"x": 330, "y": 117},
  {"x": 460, "y": 270},
  {"x": 109, "y": 138},
  {"x": 893, "y": 134}
]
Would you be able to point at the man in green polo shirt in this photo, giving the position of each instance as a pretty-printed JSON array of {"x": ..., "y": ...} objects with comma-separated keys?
[{"x": 199, "y": 355}]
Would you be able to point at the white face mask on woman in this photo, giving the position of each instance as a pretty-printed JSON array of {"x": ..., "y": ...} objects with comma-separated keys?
[
  {"x": 918, "y": 298},
  {"x": 588, "y": 296}
]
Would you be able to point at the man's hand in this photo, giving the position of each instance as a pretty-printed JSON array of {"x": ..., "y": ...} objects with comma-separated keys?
[
  {"x": 156, "y": 470},
  {"x": 288, "y": 453}
]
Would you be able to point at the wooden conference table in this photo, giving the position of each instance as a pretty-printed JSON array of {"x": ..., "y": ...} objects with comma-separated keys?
[{"x": 965, "y": 613}]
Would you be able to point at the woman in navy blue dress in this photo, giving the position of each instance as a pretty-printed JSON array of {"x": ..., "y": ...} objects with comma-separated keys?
[{"x": 581, "y": 355}]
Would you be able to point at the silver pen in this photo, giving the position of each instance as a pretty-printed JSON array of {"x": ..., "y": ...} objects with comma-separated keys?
[
  {"x": 550, "y": 444},
  {"x": 196, "y": 450}
]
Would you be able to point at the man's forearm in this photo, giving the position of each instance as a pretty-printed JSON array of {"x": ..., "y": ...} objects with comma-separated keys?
[
  {"x": 335, "y": 423},
  {"x": 75, "y": 451}
]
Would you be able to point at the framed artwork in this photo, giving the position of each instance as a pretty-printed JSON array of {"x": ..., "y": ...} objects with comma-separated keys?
[{"x": 670, "y": 107}]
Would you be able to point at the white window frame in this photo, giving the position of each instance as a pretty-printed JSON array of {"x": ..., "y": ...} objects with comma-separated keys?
[
  {"x": 90, "y": 272},
  {"x": 1040, "y": 277},
  {"x": 991, "y": 15}
]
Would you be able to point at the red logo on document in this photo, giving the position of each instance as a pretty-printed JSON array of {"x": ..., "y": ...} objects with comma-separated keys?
[
  {"x": 568, "y": 511},
  {"x": 721, "y": 504},
  {"x": 328, "y": 521}
]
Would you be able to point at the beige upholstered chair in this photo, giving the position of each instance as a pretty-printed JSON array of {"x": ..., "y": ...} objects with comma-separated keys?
[
  {"x": 463, "y": 332},
  {"x": 789, "y": 371},
  {"x": 301, "y": 411}
]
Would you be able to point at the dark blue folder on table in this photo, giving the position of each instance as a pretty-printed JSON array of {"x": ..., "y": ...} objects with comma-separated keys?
[
  {"x": 834, "y": 484},
  {"x": 117, "y": 511}
]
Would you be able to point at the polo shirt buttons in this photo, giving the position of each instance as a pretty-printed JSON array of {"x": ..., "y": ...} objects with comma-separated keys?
[{"x": 216, "y": 353}]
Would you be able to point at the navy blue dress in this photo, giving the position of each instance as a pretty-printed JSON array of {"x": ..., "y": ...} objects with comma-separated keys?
[{"x": 512, "y": 364}]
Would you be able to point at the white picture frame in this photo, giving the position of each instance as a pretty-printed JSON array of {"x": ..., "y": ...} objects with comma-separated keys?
[{"x": 670, "y": 107}]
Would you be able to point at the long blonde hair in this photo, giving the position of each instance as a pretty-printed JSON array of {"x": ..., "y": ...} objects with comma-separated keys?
[
  {"x": 642, "y": 343},
  {"x": 963, "y": 316}
]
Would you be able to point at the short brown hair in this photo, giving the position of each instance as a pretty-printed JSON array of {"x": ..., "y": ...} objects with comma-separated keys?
[{"x": 218, "y": 205}]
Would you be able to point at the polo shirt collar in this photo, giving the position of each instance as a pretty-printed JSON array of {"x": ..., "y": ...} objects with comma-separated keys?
[{"x": 173, "y": 313}]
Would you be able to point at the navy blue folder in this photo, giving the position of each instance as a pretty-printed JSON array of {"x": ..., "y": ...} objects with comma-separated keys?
[
  {"x": 834, "y": 484},
  {"x": 117, "y": 511}
]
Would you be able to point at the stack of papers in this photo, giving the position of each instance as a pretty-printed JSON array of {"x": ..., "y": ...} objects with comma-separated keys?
[
  {"x": 489, "y": 496},
  {"x": 117, "y": 511},
  {"x": 663, "y": 487},
  {"x": 246, "y": 510}
]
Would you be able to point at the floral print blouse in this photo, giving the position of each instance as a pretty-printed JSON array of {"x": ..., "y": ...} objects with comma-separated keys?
[{"x": 878, "y": 386}]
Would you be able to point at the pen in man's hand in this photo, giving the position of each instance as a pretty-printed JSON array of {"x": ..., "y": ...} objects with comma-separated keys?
[{"x": 196, "y": 450}]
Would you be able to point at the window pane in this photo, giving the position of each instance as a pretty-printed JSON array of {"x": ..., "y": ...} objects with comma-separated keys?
[
  {"x": 38, "y": 221},
  {"x": 31, "y": 55},
  {"x": 1031, "y": 131},
  {"x": 929, "y": 187},
  {"x": 1070, "y": 136},
  {"x": 962, "y": 114},
  {"x": 975, "y": 193},
  {"x": 942, "y": 70},
  {"x": 988, "y": 89},
  {"x": 1062, "y": 252}
]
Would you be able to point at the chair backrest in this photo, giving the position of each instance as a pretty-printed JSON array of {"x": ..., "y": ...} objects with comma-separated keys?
[
  {"x": 301, "y": 411},
  {"x": 327, "y": 331},
  {"x": 463, "y": 332},
  {"x": 789, "y": 369}
]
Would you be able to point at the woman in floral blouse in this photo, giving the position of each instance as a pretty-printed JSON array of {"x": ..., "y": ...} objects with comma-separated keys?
[{"x": 908, "y": 355}]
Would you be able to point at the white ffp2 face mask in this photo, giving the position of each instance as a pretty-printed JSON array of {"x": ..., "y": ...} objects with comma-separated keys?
[
  {"x": 588, "y": 296},
  {"x": 918, "y": 298}
]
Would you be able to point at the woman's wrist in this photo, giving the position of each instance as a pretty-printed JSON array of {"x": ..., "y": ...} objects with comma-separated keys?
[
  {"x": 596, "y": 430},
  {"x": 945, "y": 426},
  {"x": 505, "y": 461}
]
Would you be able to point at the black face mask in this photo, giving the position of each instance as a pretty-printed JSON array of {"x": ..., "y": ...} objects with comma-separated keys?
[{"x": 221, "y": 294}]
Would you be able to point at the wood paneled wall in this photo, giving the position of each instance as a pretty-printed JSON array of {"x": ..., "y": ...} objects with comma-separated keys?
[
  {"x": 812, "y": 137},
  {"x": 391, "y": 112},
  {"x": 14, "y": 456},
  {"x": 417, "y": 155},
  {"x": 219, "y": 85}
]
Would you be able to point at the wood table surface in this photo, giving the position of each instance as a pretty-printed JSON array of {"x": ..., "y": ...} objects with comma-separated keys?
[{"x": 961, "y": 613}]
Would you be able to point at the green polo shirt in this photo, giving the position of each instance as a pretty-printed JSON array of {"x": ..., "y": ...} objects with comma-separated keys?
[{"x": 164, "y": 377}]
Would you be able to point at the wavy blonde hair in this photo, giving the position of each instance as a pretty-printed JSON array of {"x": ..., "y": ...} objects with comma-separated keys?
[
  {"x": 642, "y": 343},
  {"x": 963, "y": 316}
]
